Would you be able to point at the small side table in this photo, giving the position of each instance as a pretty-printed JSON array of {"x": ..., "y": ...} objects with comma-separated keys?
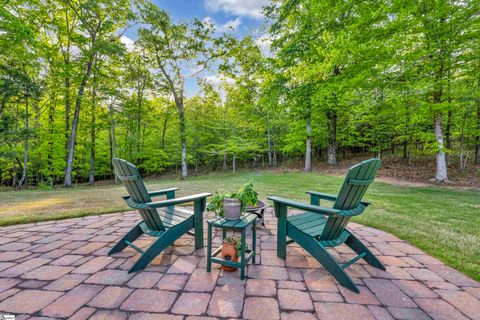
[{"x": 240, "y": 224}]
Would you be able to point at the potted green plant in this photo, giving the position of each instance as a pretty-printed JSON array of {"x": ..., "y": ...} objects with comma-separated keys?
[
  {"x": 231, "y": 206},
  {"x": 231, "y": 251}
]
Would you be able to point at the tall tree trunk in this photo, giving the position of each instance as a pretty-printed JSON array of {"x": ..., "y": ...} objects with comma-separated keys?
[
  {"x": 332, "y": 137},
  {"x": 234, "y": 164},
  {"x": 461, "y": 164},
  {"x": 22, "y": 182},
  {"x": 477, "y": 139},
  {"x": 269, "y": 141},
  {"x": 91, "y": 179},
  {"x": 67, "y": 117},
  {"x": 51, "y": 126},
  {"x": 178, "y": 97},
  {"x": 183, "y": 140},
  {"x": 113, "y": 140},
  {"x": 448, "y": 135},
  {"x": 164, "y": 128},
  {"x": 441, "y": 174},
  {"x": 308, "y": 147},
  {"x": 76, "y": 116}
]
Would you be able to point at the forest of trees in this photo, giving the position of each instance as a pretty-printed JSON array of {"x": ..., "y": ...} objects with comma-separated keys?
[{"x": 327, "y": 78}]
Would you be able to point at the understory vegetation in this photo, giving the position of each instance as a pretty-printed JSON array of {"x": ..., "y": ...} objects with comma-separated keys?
[{"x": 327, "y": 80}]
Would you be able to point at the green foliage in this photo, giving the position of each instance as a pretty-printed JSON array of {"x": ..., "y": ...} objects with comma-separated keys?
[
  {"x": 238, "y": 244},
  {"x": 367, "y": 77},
  {"x": 246, "y": 194}
]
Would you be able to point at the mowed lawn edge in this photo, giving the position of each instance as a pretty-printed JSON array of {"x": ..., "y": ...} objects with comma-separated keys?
[{"x": 444, "y": 222}]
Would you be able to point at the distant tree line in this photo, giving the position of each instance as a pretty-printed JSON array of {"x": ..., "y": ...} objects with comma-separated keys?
[{"x": 329, "y": 78}]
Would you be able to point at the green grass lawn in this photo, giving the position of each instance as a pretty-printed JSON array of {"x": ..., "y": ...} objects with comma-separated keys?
[{"x": 443, "y": 222}]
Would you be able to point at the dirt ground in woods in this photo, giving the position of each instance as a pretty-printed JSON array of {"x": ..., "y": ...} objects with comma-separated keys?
[{"x": 419, "y": 173}]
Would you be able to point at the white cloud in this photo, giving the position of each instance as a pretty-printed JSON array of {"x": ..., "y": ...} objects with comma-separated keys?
[
  {"x": 243, "y": 8},
  {"x": 230, "y": 25},
  {"x": 217, "y": 80},
  {"x": 129, "y": 43},
  {"x": 264, "y": 42}
]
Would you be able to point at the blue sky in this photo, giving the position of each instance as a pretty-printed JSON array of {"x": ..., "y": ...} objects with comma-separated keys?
[{"x": 243, "y": 15}]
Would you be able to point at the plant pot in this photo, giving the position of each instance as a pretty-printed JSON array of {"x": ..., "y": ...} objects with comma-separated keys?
[
  {"x": 232, "y": 208},
  {"x": 229, "y": 253}
]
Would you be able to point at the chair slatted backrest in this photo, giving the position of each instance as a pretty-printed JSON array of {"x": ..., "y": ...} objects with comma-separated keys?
[
  {"x": 131, "y": 179},
  {"x": 356, "y": 183}
]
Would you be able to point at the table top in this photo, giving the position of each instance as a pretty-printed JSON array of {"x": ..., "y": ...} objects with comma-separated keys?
[{"x": 241, "y": 223}]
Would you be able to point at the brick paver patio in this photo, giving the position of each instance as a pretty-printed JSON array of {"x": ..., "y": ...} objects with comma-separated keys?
[{"x": 58, "y": 270}]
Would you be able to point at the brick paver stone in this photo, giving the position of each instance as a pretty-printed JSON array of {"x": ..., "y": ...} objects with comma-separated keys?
[
  {"x": 297, "y": 285},
  {"x": 364, "y": 297},
  {"x": 24, "y": 267},
  {"x": 415, "y": 289},
  {"x": 388, "y": 293},
  {"x": 174, "y": 282},
  {"x": 94, "y": 265},
  {"x": 267, "y": 272},
  {"x": 269, "y": 258},
  {"x": 12, "y": 255},
  {"x": 319, "y": 280},
  {"x": 294, "y": 300},
  {"x": 162, "y": 316},
  {"x": 463, "y": 301},
  {"x": 66, "y": 260},
  {"x": 454, "y": 276},
  {"x": 260, "y": 309},
  {"x": 408, "y": 313},
  {"x": 110, "y": 277},
  {"x": 261, "y": 287},
  {"x": 423, "y": 274},
  {"x": 227, "y": 301},
  {"x": 439, "y": 309},
  {"x": 67, "y": 282},
  {"x": 473, "y": 291},
  {"x": 7, "y": 283},
  {"x": 47, "y": 272},
  {"x": 149, "y": 300},
  {"x": 110, "y": 297},
  {"x": 326, "y": 296},
  {"x": 183, "y": 265},
  {"x": 344, "y": 311},
  {"x": 108, "y": 314},
  {"x": 297, "y": 315},
  {"x": 144, "y": 280},
  {"x": 29, "y": 301},
  {"x": 380, "y": 313},
  {"x": 191, "y": 303},
  {"x": 71, "y": 301},
  {"x": 83, "y": 313},
  {"x": 202, "y": 281}
]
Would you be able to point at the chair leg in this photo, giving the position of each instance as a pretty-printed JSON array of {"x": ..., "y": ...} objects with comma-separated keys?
[
  {"x": 131, "y": 236},
  {"x": 356, "y": 245},
  {"x": 281, "y": 213},
  {"x": 198, "y": 222},
  {"x": 166, "y": 239},
  {"x": 326, "y": 260}
]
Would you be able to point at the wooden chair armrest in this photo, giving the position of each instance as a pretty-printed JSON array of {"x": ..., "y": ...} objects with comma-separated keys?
[
  {"x": 181, "y": 200},
  {"x": 328, "y": 197},
  {"x": 321, "y": 195},
  {"x": 162, "y": 192},
  {"x": 304, "y": 206}
]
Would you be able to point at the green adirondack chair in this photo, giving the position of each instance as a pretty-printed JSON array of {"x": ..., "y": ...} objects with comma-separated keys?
[
  {"x": 161, "y": 219},
  {"x": 320, "y": 227}
]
